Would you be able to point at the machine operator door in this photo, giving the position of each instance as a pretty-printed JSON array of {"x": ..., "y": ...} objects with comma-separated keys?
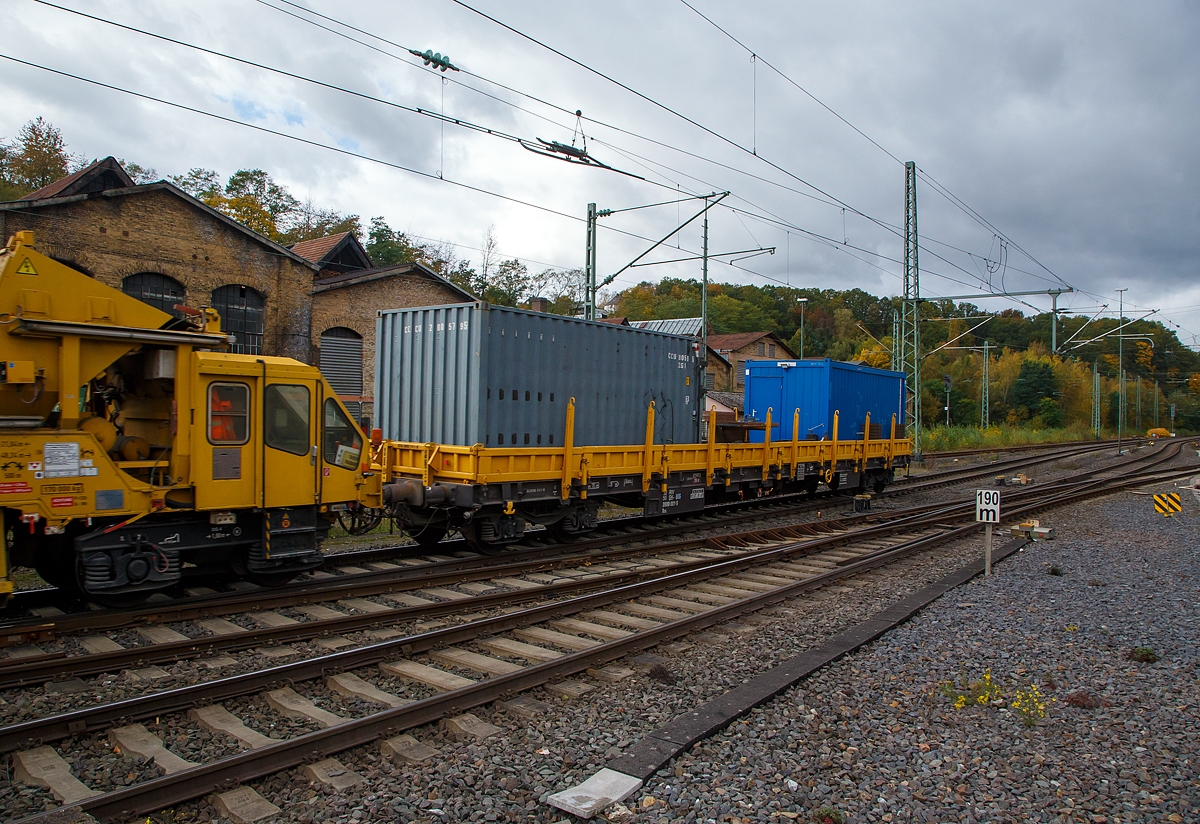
[{"x": 291, "y": 438}]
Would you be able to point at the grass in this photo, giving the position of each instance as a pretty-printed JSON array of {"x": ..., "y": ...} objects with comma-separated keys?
[{"x": 952, "y": 438}]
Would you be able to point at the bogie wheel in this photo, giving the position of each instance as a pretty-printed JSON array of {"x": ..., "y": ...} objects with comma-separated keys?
[
  {"x": 360, "y": 521},
  {"x": 563, "y": 535},
  {"x": 834, "y": 482},
  {"x": 429, "y": 535},
  {"x": 472, "y": 533}
]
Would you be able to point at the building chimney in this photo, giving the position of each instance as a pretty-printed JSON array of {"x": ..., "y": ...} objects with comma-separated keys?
[{"x": 539, "y": 305}]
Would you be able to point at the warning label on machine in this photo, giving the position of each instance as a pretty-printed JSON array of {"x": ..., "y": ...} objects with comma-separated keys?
[
  {"x": 14, "y": 487},
  {"x": 61, "y": 459}
]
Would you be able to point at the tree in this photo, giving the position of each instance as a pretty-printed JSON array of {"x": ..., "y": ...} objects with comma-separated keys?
[
  {"x": 388, "y": 247},
  {"x": 257, "y": 201},
  {"x": 38, "y": 158},
  {"x": 310, "y": 222},
  {"x": 139, "y": 173},
  {"x": 202, "y": 184}
]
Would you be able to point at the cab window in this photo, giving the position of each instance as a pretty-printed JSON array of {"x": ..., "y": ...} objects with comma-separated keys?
[
  {"x": 286, "y": 418},
  {"x": 343, "y": 444},
  {"x": 228, "y": 413}
]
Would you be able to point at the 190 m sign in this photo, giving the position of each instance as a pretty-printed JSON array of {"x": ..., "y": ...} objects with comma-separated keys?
[{"x": 987, "y": 506}]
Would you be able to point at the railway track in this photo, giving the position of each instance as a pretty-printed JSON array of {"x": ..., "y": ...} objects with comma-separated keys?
[
  {"x": 593, "y": 615},
  {"x": 41, "y": 607}
]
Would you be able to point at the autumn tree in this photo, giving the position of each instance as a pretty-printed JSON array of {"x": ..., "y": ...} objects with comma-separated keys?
[{"x": 37, "y": 158}]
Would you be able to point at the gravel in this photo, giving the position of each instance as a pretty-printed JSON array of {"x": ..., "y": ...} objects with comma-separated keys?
[{"x": 872, "y": 736}]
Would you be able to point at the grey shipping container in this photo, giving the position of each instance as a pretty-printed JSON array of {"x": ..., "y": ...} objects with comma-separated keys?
[{"x": 475, "y": 373}]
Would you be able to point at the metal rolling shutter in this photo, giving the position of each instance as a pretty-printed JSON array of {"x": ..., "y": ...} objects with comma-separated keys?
[{"x": 342, "y": 365}]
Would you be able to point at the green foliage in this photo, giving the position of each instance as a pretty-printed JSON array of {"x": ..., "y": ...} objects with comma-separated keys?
[
  {"x": 1035, "y": 383},
  {"x": 37, "y": 158},
  {"x": 253, "y": 198},
  {"x": 140, "y": 174}
]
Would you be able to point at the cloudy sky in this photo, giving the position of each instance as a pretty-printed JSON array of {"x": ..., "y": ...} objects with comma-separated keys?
[{"x": 1056, "y": 142}]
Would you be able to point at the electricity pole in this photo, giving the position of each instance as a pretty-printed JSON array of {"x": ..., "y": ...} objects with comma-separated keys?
[
  {"x": 1121, "y": 371},
  {"x": 910, "y": 334}
]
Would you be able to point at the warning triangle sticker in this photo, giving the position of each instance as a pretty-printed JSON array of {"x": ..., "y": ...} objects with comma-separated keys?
[{"x": 26, "y": 268}]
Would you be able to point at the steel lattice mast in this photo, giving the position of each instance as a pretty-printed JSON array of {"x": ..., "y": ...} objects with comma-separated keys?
[{"x": 910, "y": 358}]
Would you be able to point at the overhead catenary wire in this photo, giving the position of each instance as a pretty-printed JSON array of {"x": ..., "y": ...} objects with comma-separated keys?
[{"x": 882, "y": 224}]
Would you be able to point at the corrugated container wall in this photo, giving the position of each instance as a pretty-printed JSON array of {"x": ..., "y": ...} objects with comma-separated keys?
[
  {"x": 818, "y": 388},
  {"x": 474, "y": 373}
]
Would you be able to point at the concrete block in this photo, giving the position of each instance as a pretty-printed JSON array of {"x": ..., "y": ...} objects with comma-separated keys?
[
  {"x": 148, "y": 674},
  {"x": 455, "y": 657},
  {"x": 320, "y": 613},
  {"x": 43, "y": 767},
  {"x": 243, "y": 806},
  {"x": 217, "y": 662},
  {"x": 334, "y": 642},
  {"x": 218, "y": 719},
  {"x": 468, "y": 727},
  {"x": 558, "y": 639},
  {"x": 219, "y": 626},
  {"x": 273, "y": 619},
  {"x": 332, "y": 773},
  {"x": 524, "y": 707},
  {"x": 611, "y": 673},
  {"x": 364, "y": 606},
  {"x": 162, "y": 635},
  {"x": 406, "y": 748},
  {"x": 603, "y": 789},
  {"x": 355, "y": 687},
  {"x": 436, "y": 678},
  {"x": 67, "y": 686},
  {"x": 99, "y": 644},
  {"x": 518, "y": 649},
  {"x": 569, "y": 689},
  {"x": 293, "y": 705},
  {"x": 24, "y": 651},
  {"x": 141, "y": 742},
  {"x": 278, "y": 652}
]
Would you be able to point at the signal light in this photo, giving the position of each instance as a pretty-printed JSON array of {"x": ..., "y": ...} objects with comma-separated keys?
[{"x": 431, "y": 58}]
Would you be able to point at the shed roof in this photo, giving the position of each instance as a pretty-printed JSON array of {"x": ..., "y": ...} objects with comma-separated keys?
[
  {"x": 735, "y": 341},
  {"x": 344, "y": 279},
  {"x": 692, "y": 327},
  {"x": 734, "y": 400},
  {"x": 341, "y": 251},
  {"x": 95, "y": 177}
]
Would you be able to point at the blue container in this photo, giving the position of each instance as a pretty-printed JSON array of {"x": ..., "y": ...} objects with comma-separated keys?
[{"x": 818, "y": 388}]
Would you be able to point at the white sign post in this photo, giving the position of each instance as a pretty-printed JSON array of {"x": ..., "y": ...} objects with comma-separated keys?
[{"x": 987, "y": 511}]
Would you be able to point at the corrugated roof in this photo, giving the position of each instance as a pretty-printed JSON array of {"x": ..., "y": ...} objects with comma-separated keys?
[
  {"x": 734, "y": 400},
  {"x": 672, "y": 326}
]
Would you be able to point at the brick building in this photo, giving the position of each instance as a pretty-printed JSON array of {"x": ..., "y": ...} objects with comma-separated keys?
[
  {"x": 348, "y": 290},
  {"x": 743, "y": 346},
  {"x": 315, "y": 302},
  {"x": 160, "y": 244}
]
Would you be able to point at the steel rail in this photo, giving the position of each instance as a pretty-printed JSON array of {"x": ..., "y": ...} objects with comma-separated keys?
[
  {"x": 41, "y": 668},
  {"x": 146, "y": 706},
  {"x": 168, "y": 790}
]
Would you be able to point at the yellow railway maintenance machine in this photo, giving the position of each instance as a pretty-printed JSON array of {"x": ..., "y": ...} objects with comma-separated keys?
[{"x": 133, "y": 449}]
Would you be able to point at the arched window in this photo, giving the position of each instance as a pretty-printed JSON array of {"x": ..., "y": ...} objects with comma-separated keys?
[
  {"x": 342, "y": 363},
  {"x": 241, "y": 310},
  {"x": 159, "y": 291}
]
